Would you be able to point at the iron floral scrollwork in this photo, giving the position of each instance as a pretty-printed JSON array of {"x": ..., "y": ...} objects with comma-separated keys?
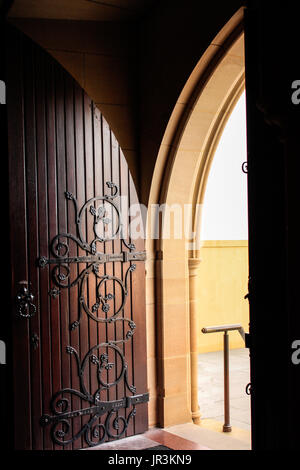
[
  {"x": 60, "y": 404},
  {"x": 105, "y": 361},
  {"x": 98, "y": 208},
  {"x": 106, "y": 214}
]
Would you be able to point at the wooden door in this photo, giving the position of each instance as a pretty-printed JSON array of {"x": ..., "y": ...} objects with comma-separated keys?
[
  {"x": 77, "y": 287},
  {"x": 273, "y": 323}
]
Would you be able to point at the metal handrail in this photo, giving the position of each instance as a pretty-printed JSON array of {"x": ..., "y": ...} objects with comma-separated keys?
[
  {"x": 225, "y": 329},
  {"x": 218, "y": 329}
]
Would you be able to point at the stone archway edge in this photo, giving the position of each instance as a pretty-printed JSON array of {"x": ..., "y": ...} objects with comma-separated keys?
[{"x": 180, "y": 175}]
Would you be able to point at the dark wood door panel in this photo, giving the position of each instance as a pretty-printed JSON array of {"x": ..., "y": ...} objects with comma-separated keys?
[{"x": 80, "y": 340}]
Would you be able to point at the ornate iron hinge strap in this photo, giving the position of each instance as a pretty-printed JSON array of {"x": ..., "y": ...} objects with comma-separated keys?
[
  {"x": 60, "y": 419},
  {"x": 92, "y": 429},
  {"x": 102, "y": 355}
]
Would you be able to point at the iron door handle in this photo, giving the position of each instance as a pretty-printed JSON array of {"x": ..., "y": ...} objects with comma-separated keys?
[{"x": 24, "y": 299}]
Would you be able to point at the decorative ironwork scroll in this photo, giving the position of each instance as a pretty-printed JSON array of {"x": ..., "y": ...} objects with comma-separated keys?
[
  {"x": 60, "y": 404},
  {"x": 106, "y": 360},
  {"x": 104, "y": 212}
]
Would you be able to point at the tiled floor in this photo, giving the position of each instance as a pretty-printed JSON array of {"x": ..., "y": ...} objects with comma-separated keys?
[
  {"x": 186, "y": 436},
  {"x": 211, "y": 387},
  {"x": 152, "y": 438}
]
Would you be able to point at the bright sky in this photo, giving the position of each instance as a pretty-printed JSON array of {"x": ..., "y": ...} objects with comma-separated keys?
[{"x": 224, "y": 215}]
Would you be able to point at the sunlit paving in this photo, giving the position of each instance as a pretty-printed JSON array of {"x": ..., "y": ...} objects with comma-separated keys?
[{"x": 211, "y": 387}]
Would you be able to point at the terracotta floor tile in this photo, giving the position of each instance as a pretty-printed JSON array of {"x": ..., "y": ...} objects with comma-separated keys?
[{"x": 172, "y": 441}]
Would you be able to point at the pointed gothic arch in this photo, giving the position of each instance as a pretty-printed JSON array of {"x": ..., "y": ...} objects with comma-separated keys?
[{"x": 180, "y": 177}]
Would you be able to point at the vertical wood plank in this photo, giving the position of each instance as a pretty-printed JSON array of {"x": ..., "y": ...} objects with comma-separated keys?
[
  {"x": 138, "y": 305},
  {"x": 106, "y": 162},
  {"x": 55, "y": 332},
  {"x": 119, "y": 329},
  {"x": 62, "y": 222},
  {"x": 30, "y": 75},
  {"x": 80, "y": 183},
  {"x": 127, "y": 311},
  {"x": 73, "y": 248},
  {"x": 89, "y": 193},
  {"x": 42, "y": 187},
  {"x": 98, "y": 172}
]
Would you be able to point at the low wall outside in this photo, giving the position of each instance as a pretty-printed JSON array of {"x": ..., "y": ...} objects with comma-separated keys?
[{"x": 222, "y": 285}]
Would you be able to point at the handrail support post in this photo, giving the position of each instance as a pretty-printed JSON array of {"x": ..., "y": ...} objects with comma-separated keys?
[
  {"x": 227, "y": 425},
  {"x": 225, "y": 329}
]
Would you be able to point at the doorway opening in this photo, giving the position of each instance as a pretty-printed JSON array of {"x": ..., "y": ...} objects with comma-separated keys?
[
  {"x": 223, "y": 277},
  {"x": 174, "y": 264}
]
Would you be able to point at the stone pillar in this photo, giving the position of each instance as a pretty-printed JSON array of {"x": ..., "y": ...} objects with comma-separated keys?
[{"x": 194, "y": 264}]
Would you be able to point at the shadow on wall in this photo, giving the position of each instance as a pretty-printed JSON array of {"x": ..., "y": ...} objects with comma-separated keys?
[{"x": 221, "y": 287}]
